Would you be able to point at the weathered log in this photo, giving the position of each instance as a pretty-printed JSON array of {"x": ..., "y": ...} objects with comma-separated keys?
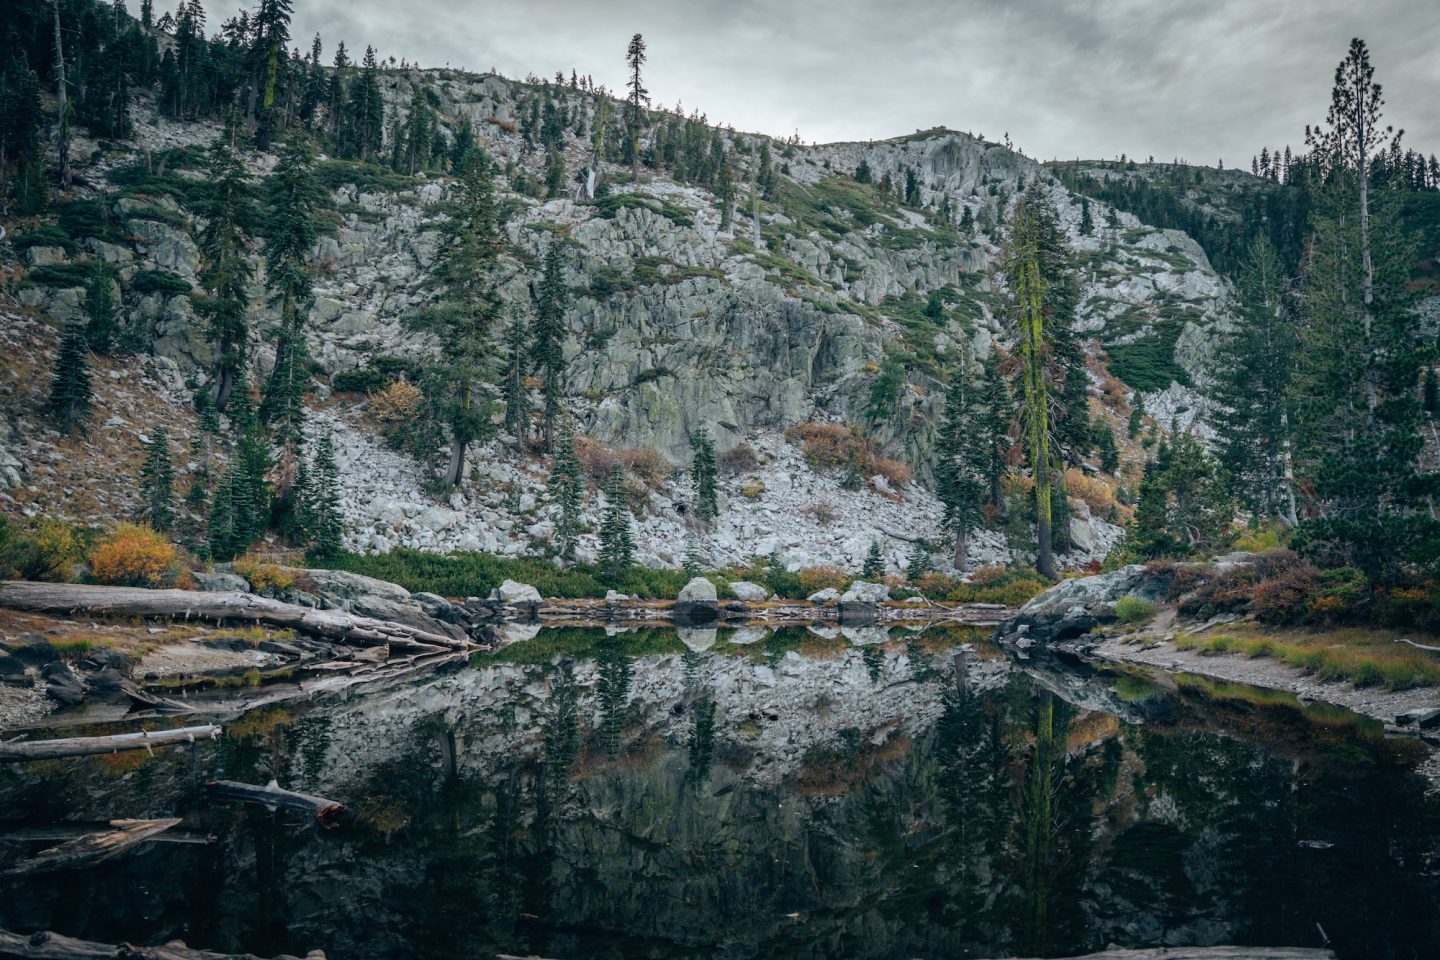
[
  {"x": 145, "y": 700},
  {"x": 53, "y": 946},
  {"x": 1213, "y": 953},
  {"x": 17, "y": 750},
  {"x": 14, "y": 832},
  {"x": 337, "y": 625},
  {"x": 274, "y": 796},
  {"x": 90, "y": 849}
]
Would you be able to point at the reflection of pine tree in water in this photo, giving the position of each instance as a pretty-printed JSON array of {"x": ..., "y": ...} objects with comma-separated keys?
[
  {"x": 702, "y": 740},
  {"x": 560, "y": 730},
  {"x": 613, "y": 690},
  {"x": 920, "y": 669},
  {"x": 874, "y": 659},
  {"x": 1038, "y": 811},
  {"x": 690, "y": 667}
]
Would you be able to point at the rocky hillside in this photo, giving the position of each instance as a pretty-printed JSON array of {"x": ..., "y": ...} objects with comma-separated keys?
[{"x": 675, "y": 322}]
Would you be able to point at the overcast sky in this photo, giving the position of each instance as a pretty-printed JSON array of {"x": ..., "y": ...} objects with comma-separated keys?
[{"x": 1200, "y": 79}]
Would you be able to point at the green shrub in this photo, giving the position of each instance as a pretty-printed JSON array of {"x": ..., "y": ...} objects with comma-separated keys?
[
  {"x": 87, "y": 218},
  {"x": 467, "y": 574},
  {"x": 375, "y": 376},
  {"x": 45, "y": 235},
  {"x": 367, "y": 177},
  {"x": 1134, "y": 610},
  {"x": 77, "y": 274},
  {"x": 47, "y": 551},
  {"x": 1148, "y": 364},
  {"x": 160, "y": 281}
]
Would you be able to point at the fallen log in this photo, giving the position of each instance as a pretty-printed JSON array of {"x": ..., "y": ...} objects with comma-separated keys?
[
  {"x": 90, "y": 849},
  {"x": 94, "y": 600},
  {"x": 274, "y": 796},
  {"x": 44, "y": 945},
  {"x": 71, "y": 829},
  {"x": 17, "y": 750},
  {"x": 1213, "y": 953}
]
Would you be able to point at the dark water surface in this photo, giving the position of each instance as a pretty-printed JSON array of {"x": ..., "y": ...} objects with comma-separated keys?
[{"x": 789, "y": 795}]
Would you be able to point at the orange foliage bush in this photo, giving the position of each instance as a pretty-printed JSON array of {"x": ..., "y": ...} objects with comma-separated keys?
[
  {"x": 1096, "y": 494},
  {"x": 815, "y": 579},
  {"x": 836, "y": 445},
  {"x": 647, "y": 466},
  {"x": 135, "y": 556},
  {"x": 397, "y": 403}
]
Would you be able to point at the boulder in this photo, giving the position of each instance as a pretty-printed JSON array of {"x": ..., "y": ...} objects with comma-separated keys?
[
  {"x": 340, "y": 586},
  {"x": 220, "y": 582},
  {"x": 862, "y": 591},
  {"x": 698, "y": 590},
  {"x": 828, "y": 595},
  {"x": 511, "y": 594},
  {"x": 1073, "y": 608},
  {"x": 615, "y": 596},
  {"x": 698, "y": 639},
  {"x": 745, "y": 590}
]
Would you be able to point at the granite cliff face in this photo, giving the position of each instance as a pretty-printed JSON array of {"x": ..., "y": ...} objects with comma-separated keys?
[{"x": 676, "y": 322}]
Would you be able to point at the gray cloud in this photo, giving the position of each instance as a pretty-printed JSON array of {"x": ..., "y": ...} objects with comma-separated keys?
[{"x": 1091, "y": 78}]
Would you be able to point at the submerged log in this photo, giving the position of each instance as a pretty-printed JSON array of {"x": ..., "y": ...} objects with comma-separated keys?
[
  {"x": 18, "y": 750},
  {"x": 275, "y": 796},
  {"x": 92, "y": 848},
  {"x": 53, "y": 946},
  {"x": 1213, "y": 953},
  {"x": 17, "y": 832},
  {"x": 336, "y": 625}
]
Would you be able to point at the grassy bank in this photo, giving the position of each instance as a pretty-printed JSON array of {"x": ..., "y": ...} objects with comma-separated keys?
[{"x": 1363, "y": 655}]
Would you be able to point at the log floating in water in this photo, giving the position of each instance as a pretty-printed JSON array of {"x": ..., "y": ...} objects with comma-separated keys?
[
  {"x": 91, "y": 848},
  {"x": 337, "y": 625},
  {"x": 16, "y": 832},
  {"x": 54, "y": 946},
  {"x": 273, "y": 795},
  {"x": 1213, "y": 953},
  {"x": 85, "y": 746}
]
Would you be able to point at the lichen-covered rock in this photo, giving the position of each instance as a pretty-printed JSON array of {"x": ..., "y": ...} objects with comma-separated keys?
[
  {"x": 863, "y": 591},
  {"x": 698, "y": 590},
  {"x": 745, "y": 590},
  {"x": 511, "y": 593},
  {"x": 1073, "y": 608}
]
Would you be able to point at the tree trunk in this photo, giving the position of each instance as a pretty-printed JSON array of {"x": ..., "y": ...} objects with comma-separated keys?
[
  {"x": 335, "y": 625},
  {"x": 92, "y": 848},
  {"x": 20, "y": 750},
  {"x": 1044, "y": 551},
  {"x": 44, "y": 945},
  {"x": 455, "y": 468},
  {"x": 62, "y": 125},
  {"x": 962, "y": 545}
]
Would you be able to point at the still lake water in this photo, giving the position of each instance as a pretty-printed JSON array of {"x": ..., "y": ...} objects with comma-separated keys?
[{"x": 759, "y": 794}]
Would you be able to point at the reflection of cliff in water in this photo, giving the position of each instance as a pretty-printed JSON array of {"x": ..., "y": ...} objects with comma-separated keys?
[{"x": 638, "y": 800}]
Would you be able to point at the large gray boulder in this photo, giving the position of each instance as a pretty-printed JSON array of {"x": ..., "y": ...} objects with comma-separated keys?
[
  {"x": 1073, "y": 608},
  {"x": 511, "y": 594},
  {"x": 863, "y": 591},
  {"x": 698, "y": 590},
  {"x": 750, "y": 592},
  {"x": 340, "y": 586},
  {"x": 828, "y": 595},
  {"x": 220, "y": 582}
]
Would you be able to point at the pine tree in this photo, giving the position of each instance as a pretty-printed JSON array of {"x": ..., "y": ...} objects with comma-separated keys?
[
  {"x": 995, "y": 422},
  {"x": 1105, "y": 443},
  {"x": 466, "y": 265},
  {"x": 1357, "y": 380},
  {"x": 70, "y": 391},
  {"x": 617, "y": 541},
  {"x": 296, "y": 199},
  {"x": 1252, "y": 368},
  {"x": 961, "y": 460},
  {"x": 157, "y": 481},
  {"x": 100, "y": 311},
  {"x": 919, "y": 561},
  {"x": 547, "y": 351},
  {"x": 1043, "y": 297},
  {"x": 517, "y": 398},
  {"x": 725, "y": 189},
  {"x": 269, "y": 52},
  {"x": 635, "y": 102},
  {"x": 1184, "y": 507},
  {"x": 363, "y": 131},
  {"x": 702, "y": 475},
  {"x": 862, "y": 171},
  {"x": 326, "y": 521},
  {"x": 567, "y": 487},
  {"x": 1087, "y": 223},
  {"x": 874, "y": 566},
  {"x": 225, "y": 273}
]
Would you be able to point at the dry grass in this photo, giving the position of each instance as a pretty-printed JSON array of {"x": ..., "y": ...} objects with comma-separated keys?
[{"x": 1365, "y": 656}]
